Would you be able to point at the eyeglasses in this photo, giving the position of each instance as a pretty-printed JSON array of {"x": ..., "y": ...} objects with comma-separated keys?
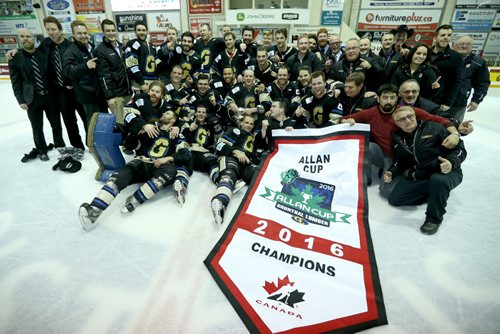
[
  {"x": 409, "y": 117},
  {"x": 463, "y": 44},
  {"x": 351, "y": 49}
]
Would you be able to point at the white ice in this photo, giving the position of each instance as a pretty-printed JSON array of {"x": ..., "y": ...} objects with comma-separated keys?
[{"x": 144, "y": 273}]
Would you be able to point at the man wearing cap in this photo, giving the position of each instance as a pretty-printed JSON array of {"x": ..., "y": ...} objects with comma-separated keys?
[{"x": 401, "y": 35}]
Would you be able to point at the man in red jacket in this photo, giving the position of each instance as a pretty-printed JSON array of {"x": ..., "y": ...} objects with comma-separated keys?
[{"x": 382, "y": 125}]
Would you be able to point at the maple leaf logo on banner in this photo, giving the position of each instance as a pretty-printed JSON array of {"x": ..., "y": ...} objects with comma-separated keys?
[{"x": 283, "y": 293}]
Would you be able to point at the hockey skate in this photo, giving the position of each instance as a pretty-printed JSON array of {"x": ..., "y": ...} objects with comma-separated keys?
[
  {"x": 179, "y": 192},
  {"x": 130, "y": 204},
  {"x": 238, "y": 185},
  {"x": 218, "y": 209},
  {"x": 88, "y": 215}
]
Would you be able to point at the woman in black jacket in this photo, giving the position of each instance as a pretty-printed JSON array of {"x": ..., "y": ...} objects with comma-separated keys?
[{"x": 418, "y": 67}]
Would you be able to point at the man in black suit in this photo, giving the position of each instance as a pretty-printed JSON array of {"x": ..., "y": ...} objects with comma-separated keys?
[
  {"x": 28, "y": 74},
  {"x": 80, "y": 66}
]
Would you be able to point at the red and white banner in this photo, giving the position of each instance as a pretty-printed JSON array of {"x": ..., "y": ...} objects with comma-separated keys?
[{"x": 298, "y": 257}]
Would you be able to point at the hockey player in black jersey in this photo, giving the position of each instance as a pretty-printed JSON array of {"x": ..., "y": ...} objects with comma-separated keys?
[
  {"x": 244, "y": 98},
  {"x": 238, "y": 161},
  {"x": 155, "y": 165},
  {"x": 278, "y": 119},
  {"x": 200, "y": 136},
  {"x": 208, "y": 47},
  {"x": 140, "y": 59},
  {"x": 320, "y": 108}
]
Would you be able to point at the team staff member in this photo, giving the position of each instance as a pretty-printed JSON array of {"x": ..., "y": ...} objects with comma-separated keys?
[
  {"x": 303, "y": 57},
  {"x": 28, "y": 74},
  {"x": 111, "y": 71},
  {"x": 56, "y": 45},
  {"x": 428, "y": 170},
  {"x": 476, "y": 74},
  {"x": 382, "y": 125},
  {"x": 140, "y": 59},
  {"x": 80, "y": 66},
  {"x": 450, "y": 66}
]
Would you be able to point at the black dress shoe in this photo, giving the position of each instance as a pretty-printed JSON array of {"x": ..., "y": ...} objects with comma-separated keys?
[
  {"x": 44, "y": 157},
  {"x": 30, "y": 156},
  {"x": 429, "y": 228}
]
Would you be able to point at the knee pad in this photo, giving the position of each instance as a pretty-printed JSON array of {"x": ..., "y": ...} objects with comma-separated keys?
[{"x": 104, "y": 143}]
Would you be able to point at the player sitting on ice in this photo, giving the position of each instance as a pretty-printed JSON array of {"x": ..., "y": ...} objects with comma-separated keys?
[{"x": 155, "y": 164}]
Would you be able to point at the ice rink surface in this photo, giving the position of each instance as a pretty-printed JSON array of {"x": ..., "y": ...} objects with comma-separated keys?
[{"x": 144, "y": 272}]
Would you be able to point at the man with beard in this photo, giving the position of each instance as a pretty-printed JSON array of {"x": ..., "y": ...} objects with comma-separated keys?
[
  {"x": 155, "y": 165},
  {"x": 249, "y": 47},
  {"x": 319, "y": 108},
  {"x": 281, "y": 52},
  {"x": 28, "y": 74},
  {"x": 382, "y": 125},
  {"x": 140, "y": 59},
  {"x": 352, "y": 62},
  {"x": 208, "y": 47},
  {"x": 189, "y": 60},
  {"x": 401, "y": 35},
  {"x": 282, "y": 89},
  {"x": 230, "y": 56},
  {"x": 112, "y": 72},
  {"x": 80, "y": 66},
  {"x": 303, "y": 57},
  {"x": 264, "y": 69},
  {"x": 476, "y": 74},
  {"x": 238, "y": 161},
  {"x": 451, "y": 68},
  {"x": 323, "y": 46}
]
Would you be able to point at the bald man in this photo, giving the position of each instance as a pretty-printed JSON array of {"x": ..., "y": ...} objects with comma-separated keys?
[
  {"x": 28, "y": 75},
  {"x": 476, "y": 74}
]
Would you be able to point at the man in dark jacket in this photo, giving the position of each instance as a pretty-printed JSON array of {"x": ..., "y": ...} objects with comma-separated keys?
[
  {"x": 61, "y": 87},
  {"x": 428, "y": 170},
  {"x": 111, "y": 71},
  {"x": 28, "y": 75},
  {"x": 352, "y": 62},
  {"x": 303, "y": 57},
  {"x": 80, "y": 63},
  {"x": 353, "y": 97},
  {"x": 388, "y": 61},
  {"x": 476, "y": 74},
  {"x": 449, "y": 64}
]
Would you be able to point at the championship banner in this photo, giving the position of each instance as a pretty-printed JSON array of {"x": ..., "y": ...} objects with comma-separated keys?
[{"x": 298, "y": 256}]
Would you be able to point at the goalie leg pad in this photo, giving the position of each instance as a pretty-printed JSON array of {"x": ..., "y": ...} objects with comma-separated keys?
[{"x": 103, "y": 142}]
